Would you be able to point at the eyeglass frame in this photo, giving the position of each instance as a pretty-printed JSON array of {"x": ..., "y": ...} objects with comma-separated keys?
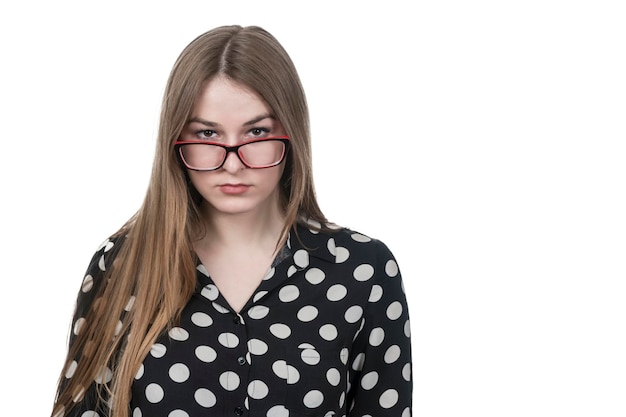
[{"x": 178, "y": 145}]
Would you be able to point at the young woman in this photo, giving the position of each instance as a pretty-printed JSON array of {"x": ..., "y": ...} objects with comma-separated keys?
[{"x": 229, "y": 293}]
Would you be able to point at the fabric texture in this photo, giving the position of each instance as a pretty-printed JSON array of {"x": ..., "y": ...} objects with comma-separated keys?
[{"x": 326, "y": 333}]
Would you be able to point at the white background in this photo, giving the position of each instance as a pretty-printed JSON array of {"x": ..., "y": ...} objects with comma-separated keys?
[{"x": 483, "y": 141}]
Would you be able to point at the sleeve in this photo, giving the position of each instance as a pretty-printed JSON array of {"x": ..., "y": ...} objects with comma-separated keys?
[
  {"x": 381, "y": 369},
  {"x": 91, "y": 286}
]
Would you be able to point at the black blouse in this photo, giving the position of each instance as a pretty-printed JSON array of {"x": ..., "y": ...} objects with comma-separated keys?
[{"x": 326, "y": 333}]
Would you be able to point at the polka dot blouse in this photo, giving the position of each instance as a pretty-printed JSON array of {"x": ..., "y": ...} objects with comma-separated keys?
[{"x": 326, "y": 333}]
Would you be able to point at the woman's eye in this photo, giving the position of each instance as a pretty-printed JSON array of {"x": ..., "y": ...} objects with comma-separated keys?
[
  {"x": 205, "y": 134},
  {"x": 259, "y": 131}
]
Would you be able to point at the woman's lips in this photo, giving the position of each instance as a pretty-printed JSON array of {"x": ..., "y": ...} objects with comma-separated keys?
[{"x": 234, "y": 189}]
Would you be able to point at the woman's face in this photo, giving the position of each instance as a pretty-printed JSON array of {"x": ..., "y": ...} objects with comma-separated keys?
[{"x": 229, "y": 113}]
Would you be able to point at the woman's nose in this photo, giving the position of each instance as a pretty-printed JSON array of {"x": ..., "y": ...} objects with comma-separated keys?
[{"x": 233, "y": 163}]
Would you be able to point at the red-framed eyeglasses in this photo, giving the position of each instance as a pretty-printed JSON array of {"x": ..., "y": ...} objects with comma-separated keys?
[{"x": 201, "y": 155}]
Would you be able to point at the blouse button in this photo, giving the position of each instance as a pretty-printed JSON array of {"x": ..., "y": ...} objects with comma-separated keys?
[
  {"x": 241, "y": 360},
  {"x": 238, "y": 411},
  {"x": 236, "y": 320}
]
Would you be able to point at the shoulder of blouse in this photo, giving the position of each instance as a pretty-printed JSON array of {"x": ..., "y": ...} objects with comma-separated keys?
[{"x": 332, "y": 242}]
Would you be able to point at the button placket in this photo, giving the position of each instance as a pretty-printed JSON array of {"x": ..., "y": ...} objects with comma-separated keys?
[{"x": 238, "y": 396}]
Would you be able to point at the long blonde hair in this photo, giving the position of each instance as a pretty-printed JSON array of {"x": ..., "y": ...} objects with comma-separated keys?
[{"x": 155, "y": 265}]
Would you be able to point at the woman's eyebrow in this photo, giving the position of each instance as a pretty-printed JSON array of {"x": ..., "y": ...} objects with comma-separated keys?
[
  {"x": 259, "y": 118},
  {"x": 202, "y": 121}
]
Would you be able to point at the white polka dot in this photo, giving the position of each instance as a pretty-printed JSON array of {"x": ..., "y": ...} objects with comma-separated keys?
[
  {"x": 154, "y": 393},
  {"x": 369, "y": 380},
  {"x": 313, "y": 399},
  {"x": 288, "y": 293},
  {"x": 90, "y": 413},
  {"x": 130, "y": 303},
  {"x": 359, "y": 360},
  {"x": 332, "y": 248},
  {"x": 286, "y": 372},
  {"x": 281, "y": 331},
  {"x": 205, "y": 398},
  {"x": 336, "y": 292},
  {"x": 210, "y": 292},
  {"x": 201, "y": 319},
  {"x": 269, "y": 274},
  {"x": 407, "y": 329},
  {"x": 361, "y": 325},
  {"x": 206, "y": 354},
  {"x": 140, "y": 372},
  {"x": 376, "y": 293},
  {"x": 118, "y": 328},
  {"x": 342, "y": 255},
  {"x": 392, "y": 354},
  {"x": 293, "y": 375},
  {"x": 301, "y": 258},
  {"x": 179, "y": 372},
  {"x": 344, "y": 354},
  {"x": 394, "y": 311},
  {"x": 257, "y": 347},
  {"x": 78, "y": 325},
  {"x": 202, "y": 269},
  {"x": 102, "y": 264},
  {"x": 158, "y": 350},
  {"x": 363, "y": 272},
  {"x": 257, "y": 389},
  {"x": 314, "y": 276},
  {"x": 353, "y": 314},
  {"x": 307, "y": 313},
  {"x": 406, "y": 372},
  {"x": 391, "y": 268},
  {"x": 137, "y": 412},
  {"x": 388, "y": 399},
  {"x": 258, "y": 312},
  {"x": 360, "y": 238},
  {"x": 280, "y": 369},
  {"x": 71, "y": 369},
  {"x": 179, "y": 334},
  {"x": 333, "y": 377},
  {"x": 328, "y": 332},
  {"x": 278, "y": 411},
  {"x": 108, "y": 245},
  {"x": 310, "y": 356},
  {"x": 104, "y": 376},
  {"x": 377, "y": 335},
  {"x": 229, "y": 340},
  {"x": 258, "y": 296},
  {"x": 291, "y": 271},
  {"x": 178, "y": 413},
  {"x": 406, "y": 412},
  {"x": 220, "y": 308},
  {"x": 229, "y": 381},
  {"x": 87, "y": 284}
]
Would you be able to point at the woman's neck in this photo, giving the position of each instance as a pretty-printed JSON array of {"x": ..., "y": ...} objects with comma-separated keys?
[{"x": 241, "y": 231}]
